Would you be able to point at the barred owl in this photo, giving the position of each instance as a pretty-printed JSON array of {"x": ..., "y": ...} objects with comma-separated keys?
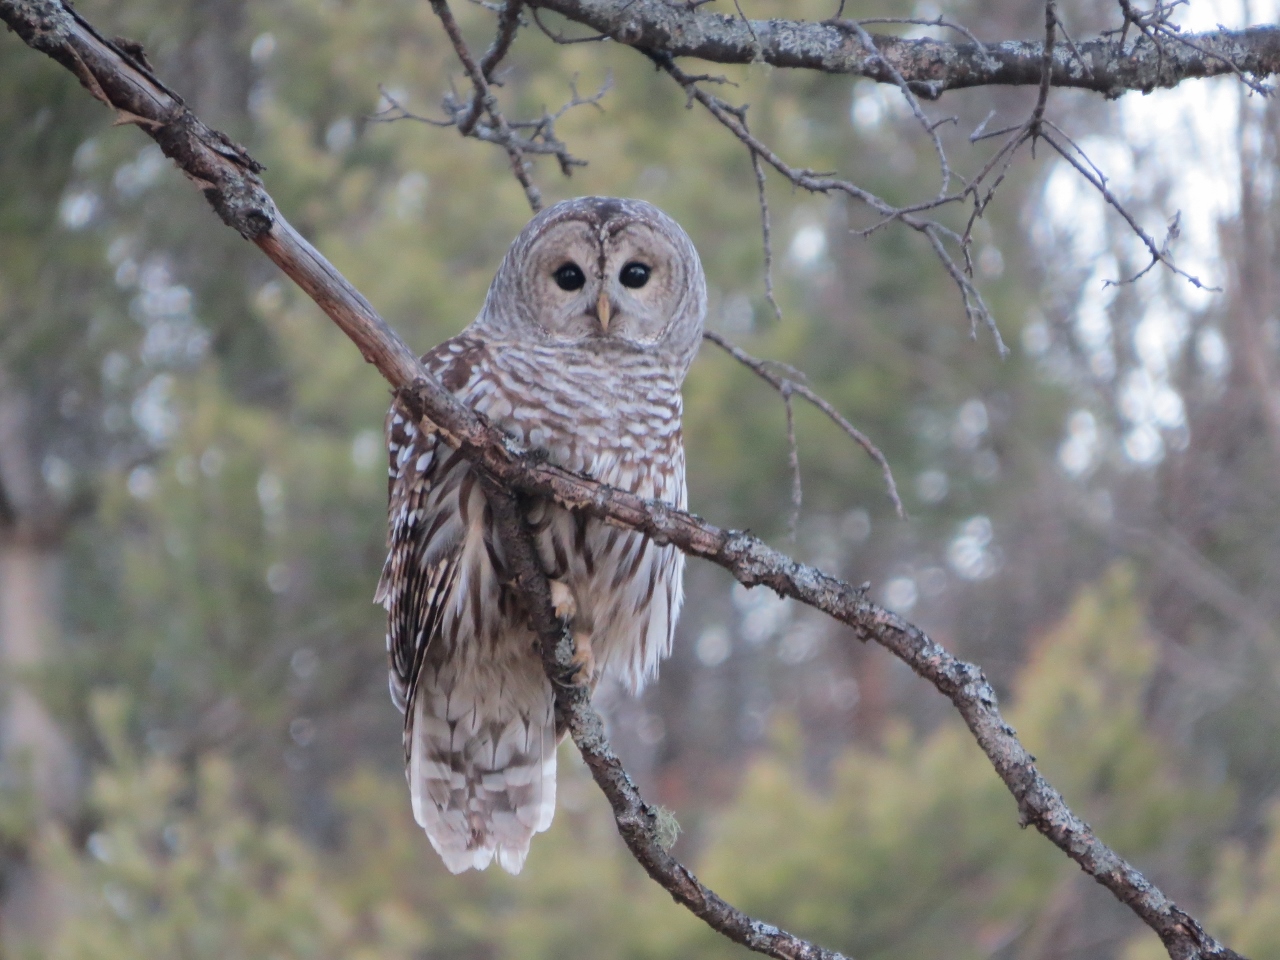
[{"x": 579, "y": 351}]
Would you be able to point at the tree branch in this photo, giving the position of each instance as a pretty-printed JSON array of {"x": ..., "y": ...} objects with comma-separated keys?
[
  {"x": 931, "y": 66},
  {"x": 228, "y": 178}
]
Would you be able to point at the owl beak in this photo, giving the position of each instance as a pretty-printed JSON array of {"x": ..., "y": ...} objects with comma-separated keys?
[{"x": 604, "y": 310}]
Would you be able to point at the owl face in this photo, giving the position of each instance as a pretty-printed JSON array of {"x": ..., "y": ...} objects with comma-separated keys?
[
  {"x": 600, "y": 273},
  {"x": 620, "y": 280}
]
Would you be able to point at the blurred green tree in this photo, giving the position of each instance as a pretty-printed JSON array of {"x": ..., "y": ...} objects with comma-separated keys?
[
  {"x": 908, "y": 851},
  {"x": 210, "y": 451}
]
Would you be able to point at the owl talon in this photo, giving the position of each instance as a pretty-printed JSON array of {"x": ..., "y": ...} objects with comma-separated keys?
[
  {"x": 566, "y": 607},
  {"x": 584, "y": 661}
]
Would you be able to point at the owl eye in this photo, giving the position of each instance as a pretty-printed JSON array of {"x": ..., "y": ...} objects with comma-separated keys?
[
  {"x": 634, "y": 275},
  {"x": 569, "y": 277}
]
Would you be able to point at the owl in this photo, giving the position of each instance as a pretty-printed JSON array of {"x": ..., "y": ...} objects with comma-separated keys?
[{"x": 579, "y": 352}]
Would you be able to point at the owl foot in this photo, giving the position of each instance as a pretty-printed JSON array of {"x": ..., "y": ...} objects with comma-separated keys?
[
  {"x": 562, "y": 600},
  {"x": 584, "y": 661}
]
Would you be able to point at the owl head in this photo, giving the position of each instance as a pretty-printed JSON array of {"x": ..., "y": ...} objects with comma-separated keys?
[{"x": 600, "y": 274}]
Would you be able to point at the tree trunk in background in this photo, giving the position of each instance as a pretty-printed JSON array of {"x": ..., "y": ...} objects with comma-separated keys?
[
  {"x": 31, "y": 745},
  {"x": 1253, "y": 257},
  {"x": 29, "y": 630}
]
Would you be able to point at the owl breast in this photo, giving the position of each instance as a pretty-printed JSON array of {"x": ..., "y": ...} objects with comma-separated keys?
[{"x": 614, "y": 416}]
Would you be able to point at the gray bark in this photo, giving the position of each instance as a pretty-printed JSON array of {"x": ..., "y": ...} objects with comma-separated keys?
[{"x": 930, "y": 66}]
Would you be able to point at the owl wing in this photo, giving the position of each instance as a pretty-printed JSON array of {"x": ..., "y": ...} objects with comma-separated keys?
[
  {"x": 479, "y": 735},
  {"x": 422, "y": 558}
]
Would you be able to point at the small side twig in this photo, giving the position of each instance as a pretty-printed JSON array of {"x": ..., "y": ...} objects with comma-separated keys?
[
  {"x": 913, "y": 102},
  {"x": 1254, "y": 85},
  {"x": 1037, "y": 127},
  {"x": 765, "y": 233},
  {"x": 467, "y": 119},
  {"x": 1046, "y": 72},
  {"x": 788, "y": 386},
  {"x": 938, "y": 21},
  {"x": 561, "y": 38},
  {"x": 1159, "y": 254},
  {"x": 1003, "y": 158},
  {"x": 1075, "y": 51},
  {"x": 755, "y": 37},
  {"x": 508, "y": 27},
  {"x": 519, "y": 138},
  {"x": 793, "y": 460}
]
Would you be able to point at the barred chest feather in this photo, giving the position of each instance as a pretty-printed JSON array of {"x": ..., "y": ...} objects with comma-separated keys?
[{"x": 614, "y": 416}]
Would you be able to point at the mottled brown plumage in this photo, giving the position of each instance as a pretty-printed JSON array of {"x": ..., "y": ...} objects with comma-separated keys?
[{"x": 586, "y": 366}]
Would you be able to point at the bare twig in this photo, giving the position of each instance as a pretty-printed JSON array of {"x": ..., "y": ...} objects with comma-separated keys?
[
  {"x": 1046, "y": 72},
  {"x": 1066, "y": 138},
  {"x": 1257, "y": 87},
  {"x": 467, "y": 118},
  {"x": 1159, "y": 254},
  {"x": 561, "y": 38},
  {"x": 537, "y": 137},
  {"x": 1155, "y": 24},
  {"x": 793, "y": 460},
  {"x": 938, "y": 21},
  {"x": 981, "y": 132},
  {"x": 1037, "y": 126},
  {"x": 1147, "y": 24},
  {"x": 917, "y": 111},
  {"x": 1026, "y": 131},
  {"x": 738, "y": 6},
  {"x": 1003, "y": 157},
  {"x": 789, "y": 385},
  {"x": 508, "y": 27},
  {"x": 541, "y": 140},
  {"x": 765, "y": 233},
  {"x": 1071, "y": 44},
  {"x": 229, "y": 180},
  {"x": 732, "y": 119}
]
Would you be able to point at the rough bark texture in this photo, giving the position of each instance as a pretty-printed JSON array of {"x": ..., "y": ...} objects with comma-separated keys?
[
  {"x": 229, "y": 180},
  {"x": 930, "y": 66}
]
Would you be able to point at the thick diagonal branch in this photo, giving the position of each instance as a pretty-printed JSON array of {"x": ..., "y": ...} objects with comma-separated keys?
[{"x": 228, "y": 178}]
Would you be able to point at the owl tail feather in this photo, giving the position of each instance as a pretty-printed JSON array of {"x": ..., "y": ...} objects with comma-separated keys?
[{"x": 482, "y": 786}]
